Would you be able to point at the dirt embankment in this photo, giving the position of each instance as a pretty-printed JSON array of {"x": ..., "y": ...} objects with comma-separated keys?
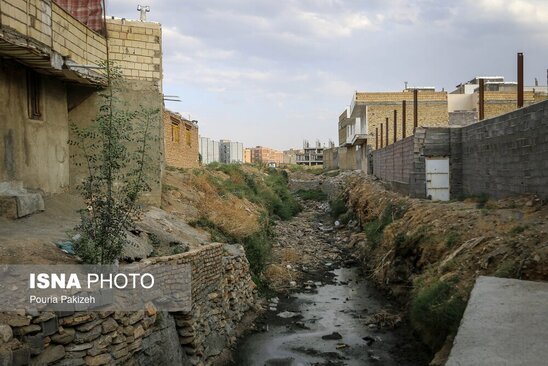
[{"x": 428, "y": 254}]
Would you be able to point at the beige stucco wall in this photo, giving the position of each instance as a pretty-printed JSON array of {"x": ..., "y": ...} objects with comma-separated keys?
[
  {"x": 34, "y": 152},
  {"x": 136, "y": 94}
]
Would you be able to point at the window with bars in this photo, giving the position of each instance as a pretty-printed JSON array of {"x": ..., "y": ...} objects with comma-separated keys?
[{"x": 34, "y": 95}]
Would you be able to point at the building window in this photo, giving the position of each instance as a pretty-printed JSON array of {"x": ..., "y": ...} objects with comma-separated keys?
[
  {"x": 188, "y": 136},
  {"x": 175, "y": 132},
  {"x": 34, "y": 95}
]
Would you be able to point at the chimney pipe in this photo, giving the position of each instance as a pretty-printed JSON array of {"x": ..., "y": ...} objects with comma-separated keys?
[
  {"x": 415, "y": 109},
  {"x": 520, "y": 79},
  {"x": 481, "y": 99},
  {"x": 403, "y": 117}
]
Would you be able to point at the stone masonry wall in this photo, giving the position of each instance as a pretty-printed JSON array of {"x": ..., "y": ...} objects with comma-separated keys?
[{"x": 222, "y": 291}]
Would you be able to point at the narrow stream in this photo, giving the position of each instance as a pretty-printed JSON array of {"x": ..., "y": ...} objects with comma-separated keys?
[{"x": 338, "y": 309}]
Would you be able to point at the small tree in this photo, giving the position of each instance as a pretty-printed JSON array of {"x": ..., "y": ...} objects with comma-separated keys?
[{"x": 114, "y": 148}]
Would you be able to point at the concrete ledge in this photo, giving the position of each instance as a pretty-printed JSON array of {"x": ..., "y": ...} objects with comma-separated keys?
[{"x": 505, "y": 324}]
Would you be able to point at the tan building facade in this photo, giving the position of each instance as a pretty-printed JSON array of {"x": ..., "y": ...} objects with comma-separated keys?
[
  {"x": 247, "y": 156},
  {"x": 180, "y": 141},
  {"x": 266, "y": 155}
]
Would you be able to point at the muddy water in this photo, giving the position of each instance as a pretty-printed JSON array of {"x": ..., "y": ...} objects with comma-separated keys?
[{"x": 342, "y": 306}]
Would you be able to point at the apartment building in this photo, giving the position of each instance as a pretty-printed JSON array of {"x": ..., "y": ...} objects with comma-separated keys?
[
  {"x": 231, "y": 152},
  {"x": 312, "y": 155},
  {"x": 266, "y": 155}
]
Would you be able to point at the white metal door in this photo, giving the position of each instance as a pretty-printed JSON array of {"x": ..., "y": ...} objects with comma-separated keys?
[{"x": 437, "y": 178}]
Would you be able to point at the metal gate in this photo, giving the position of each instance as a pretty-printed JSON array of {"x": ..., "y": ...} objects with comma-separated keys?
[{"x": 437, "y": 179}]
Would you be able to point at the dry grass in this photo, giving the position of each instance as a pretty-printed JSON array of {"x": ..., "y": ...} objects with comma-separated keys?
[
  {"x": 279, "y": 276},
  {"x": 290, "y": 255}
]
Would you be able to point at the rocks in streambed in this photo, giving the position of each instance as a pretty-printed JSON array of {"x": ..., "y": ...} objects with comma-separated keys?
[{"x": 335, "y": 336}]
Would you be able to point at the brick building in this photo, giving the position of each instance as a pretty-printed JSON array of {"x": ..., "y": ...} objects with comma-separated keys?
[
  {"x": 266, "y": 155},
  {"x": 369, "y": 121},
  {"x": 180, "y": 141},
  {"x": 247, "y": 155}
]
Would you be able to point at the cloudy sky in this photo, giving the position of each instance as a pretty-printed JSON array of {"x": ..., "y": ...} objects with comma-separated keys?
[{"x": 275, "y": 72}]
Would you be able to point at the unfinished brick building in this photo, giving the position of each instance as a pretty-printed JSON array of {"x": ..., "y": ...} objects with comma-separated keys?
[{"x": 181, "y": 141}]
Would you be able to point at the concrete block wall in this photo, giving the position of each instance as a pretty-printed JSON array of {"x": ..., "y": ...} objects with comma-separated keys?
[
  {"x": 137, "y": 49},
  {"x": 331, "y": 159},
  {"x": 394, "y": 164},
  {"x": 508, "y": 154},
  {"x": 49, "y": 28}
]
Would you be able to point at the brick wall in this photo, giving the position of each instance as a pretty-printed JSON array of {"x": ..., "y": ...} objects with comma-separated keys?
[
  {"x": 180, "y": 141},
  {"x": 137, "y": 48},
  {"x": 432, "y": 112},
  {"x": 498, "y": 103},
  {"x": 50, "y": 28}
]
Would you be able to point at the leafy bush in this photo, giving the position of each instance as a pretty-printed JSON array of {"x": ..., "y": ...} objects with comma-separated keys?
[
  {"x": 117, "y": 173},
  {"x": 312, "y": 194},
  {"x": 337, "y": 207},
  {"x": 374, "y": 229}
]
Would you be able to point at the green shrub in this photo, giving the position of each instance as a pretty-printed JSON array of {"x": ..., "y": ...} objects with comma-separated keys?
[
  {"x": 436, "y": 311},
  {"x": 312, "y": 195},
  {"x": 337, "y": 207},
  {"x": 481, "y": 200},
  {"x": 451, "y": 239},
  {"x": 374, "y": 229},
  {"x": 518, "y": 229},
  {"x": 506, "y": 269}
]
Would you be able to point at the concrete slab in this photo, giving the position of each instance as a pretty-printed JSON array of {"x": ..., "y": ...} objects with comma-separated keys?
[
  {"x": 16, "y": 201},
  {"x": 505, "y": 323}
]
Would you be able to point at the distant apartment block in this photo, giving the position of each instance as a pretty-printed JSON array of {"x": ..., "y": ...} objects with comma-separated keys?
[
  {"x": 312, "y": 155},
  {"x": 209, "y": 151},
  {"x": 231, "y": 152},
  {"x": 247, "y": 155},
  {"x": 266, "y": 155},
  {"x": 180, "y": 141}
]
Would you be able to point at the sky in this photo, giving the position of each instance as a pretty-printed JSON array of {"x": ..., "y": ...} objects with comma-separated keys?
[{"x": 276, "y": 72}]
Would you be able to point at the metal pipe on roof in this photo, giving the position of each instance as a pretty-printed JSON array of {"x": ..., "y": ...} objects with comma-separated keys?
[
  {"x": 481, "y": 99},
  {"x": 415, "y": 109},
  {"x": 395, "y": 125},
  {"x": 376, "y": 138},
  {"x": 386, "y": 131},
  {"x": 403, "y": 118},
  {"x": 520, "y": 79},
  {"x": 382, "y": 137}
]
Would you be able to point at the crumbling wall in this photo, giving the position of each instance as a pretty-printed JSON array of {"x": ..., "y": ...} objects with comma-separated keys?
[{"x": 222, "y": 292}]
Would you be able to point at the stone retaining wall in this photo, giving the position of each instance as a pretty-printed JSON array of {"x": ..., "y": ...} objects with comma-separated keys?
[{"x": 222, "y": 292}]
